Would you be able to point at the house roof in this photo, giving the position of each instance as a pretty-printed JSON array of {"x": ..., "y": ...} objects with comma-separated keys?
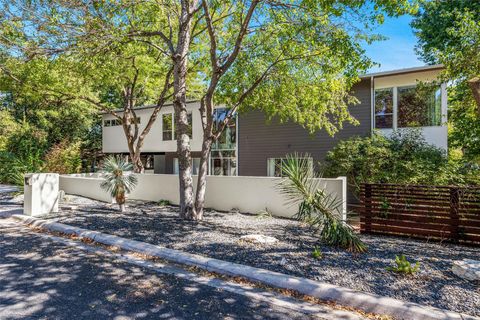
[
  {"x": 150, "y": 106},
  {"x": 368, "y": 75},
  {"x": 403, "y": 71}
]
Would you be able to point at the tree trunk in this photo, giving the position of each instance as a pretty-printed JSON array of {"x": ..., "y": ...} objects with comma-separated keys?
[
  {"x": 474, "y": 84},
  {"x": 202, "y": 179},
  {"x": 187, "y": 210}
]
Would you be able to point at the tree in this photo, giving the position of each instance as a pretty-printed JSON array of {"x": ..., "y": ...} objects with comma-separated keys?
[
  {"x": 118, "y": 181},
  {"x": 449, "y": 33},
  {"x": 292, "y": 60},
  {"x": 76, "y": 50},
  {"x": 295, "y": 60}
]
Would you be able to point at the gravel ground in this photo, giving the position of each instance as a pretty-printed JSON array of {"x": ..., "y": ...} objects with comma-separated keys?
[{"x": 218, "y": 236}]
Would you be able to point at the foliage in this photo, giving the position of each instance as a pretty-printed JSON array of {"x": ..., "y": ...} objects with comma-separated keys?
[
  {"x": 404, "y": 266},
  {"x": 28, "y": 144},
  {"x": 12, "y": 169},
  {"x": 163, "y": 202},
  {"x": 317, "y": 253},
  {"x": 449, "y": 33},
  {"x": 319, "y": 209},
  {"x": 117, "y": 181},
  {"x": 264, "y": 214},
  {"x": 295, "y": 60},
  {"x": 403, "y": 158},
  {"x": 63, "y": 157}
]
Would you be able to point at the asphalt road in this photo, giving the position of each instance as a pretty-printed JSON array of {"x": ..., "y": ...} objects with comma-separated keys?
[{"x": 44, "y": 279}]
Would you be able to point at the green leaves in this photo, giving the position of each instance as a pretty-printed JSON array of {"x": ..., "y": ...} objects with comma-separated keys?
[
  {"x": 404, "y": 158},
  {"x": 404, "y": 266},
  {"x": 449, "y": 33},
  {"x": 117, "y": 180},
  {"x": 315, "y": 207}
]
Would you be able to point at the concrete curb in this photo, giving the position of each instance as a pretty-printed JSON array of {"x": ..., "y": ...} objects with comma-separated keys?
[{"x": 343, "y": 296}]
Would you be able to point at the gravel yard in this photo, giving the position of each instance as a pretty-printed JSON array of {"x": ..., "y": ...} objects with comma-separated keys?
[{"x": 219, "y": 235}]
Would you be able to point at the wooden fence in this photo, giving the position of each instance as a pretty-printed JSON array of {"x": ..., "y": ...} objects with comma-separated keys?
[{"x": 438, "y": 212}]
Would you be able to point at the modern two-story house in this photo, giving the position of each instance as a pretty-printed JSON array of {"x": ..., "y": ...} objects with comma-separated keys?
[{"x": 392, "y": 100}]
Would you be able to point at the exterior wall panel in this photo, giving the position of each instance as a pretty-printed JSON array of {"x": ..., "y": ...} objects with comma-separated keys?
[{"x": 258, "y": 140}]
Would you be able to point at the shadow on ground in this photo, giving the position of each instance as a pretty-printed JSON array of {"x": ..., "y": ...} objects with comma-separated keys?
[
  {"x": 43, "y": 279},
  {"x": 218, "y": 237}
]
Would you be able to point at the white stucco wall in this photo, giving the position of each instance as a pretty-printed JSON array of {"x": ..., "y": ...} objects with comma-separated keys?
[
  {"x": 437, "y": 136},
  {"x": 247, "y": 194},
  {"x": 114, "y": 141},
  {"x": 40, "y": 193}
]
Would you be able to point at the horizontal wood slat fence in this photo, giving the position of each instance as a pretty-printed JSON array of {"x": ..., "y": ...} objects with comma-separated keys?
[{"x": 447, "y": 213}]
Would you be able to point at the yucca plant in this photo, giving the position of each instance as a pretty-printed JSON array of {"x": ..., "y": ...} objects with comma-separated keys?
[
  {"x": 118, "y": 181},
  {"x": 317, "y": 208}
]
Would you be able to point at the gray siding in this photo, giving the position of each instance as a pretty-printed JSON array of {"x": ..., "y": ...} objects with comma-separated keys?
[{"x": 258, "y": 141}]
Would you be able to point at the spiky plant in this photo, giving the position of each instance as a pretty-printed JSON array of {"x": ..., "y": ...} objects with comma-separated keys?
[
  {"x": 118, "y": 181},
  {"x": 316, "y": 207}
]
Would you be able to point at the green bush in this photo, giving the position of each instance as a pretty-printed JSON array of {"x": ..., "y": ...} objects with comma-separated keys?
[
  {"x": 21, "y": 152},
  {"x": 402, "y": 265},
  {"x": 403, "y": 158},
  {"x": 63, "y": 157},
  {"x": 315, "y": 206},
  {"x": 11, "y": 169}
]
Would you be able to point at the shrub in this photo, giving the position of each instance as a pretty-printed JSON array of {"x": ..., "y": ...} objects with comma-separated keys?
[
  {"x": 63, "y": 157},
  {"x": 404, "y": 266},
  {"x": 117, "y": 181},
  {"x": 317, "y": 253},
  {"x": 403, "y": 158},
  {"x": 316, "y": 207},
  {"x": 11, "y": 169},
  {"x": 21, "y": 152}
]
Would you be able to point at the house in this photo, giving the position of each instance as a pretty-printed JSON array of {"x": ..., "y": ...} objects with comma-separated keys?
[{"x": 392, "y": 100}]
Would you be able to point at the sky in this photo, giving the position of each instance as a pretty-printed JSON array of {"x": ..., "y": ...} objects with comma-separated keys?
[{"x": 397, "y": 52}]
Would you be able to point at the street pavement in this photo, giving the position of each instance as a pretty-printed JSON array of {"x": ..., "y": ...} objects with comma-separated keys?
[{"x": 44, "y": 279}]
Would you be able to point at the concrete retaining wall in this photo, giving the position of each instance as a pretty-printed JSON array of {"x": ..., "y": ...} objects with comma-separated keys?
[{"x": 247, "y": 194}]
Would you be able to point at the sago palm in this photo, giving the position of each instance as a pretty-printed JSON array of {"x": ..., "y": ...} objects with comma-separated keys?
[
  {"x": 316, "y": 207},
  {"x": 118, "y": 181}
]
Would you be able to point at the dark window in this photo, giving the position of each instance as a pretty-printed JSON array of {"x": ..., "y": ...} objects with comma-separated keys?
[
  {"x": 419, "y": 106},
  {"x": 107, "y": 123},
  {"x": 384, "y": 108},
  {"x": 167, "y": 126}
]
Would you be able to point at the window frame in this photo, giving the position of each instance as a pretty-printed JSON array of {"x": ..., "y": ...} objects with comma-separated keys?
[
  {"x": 392, "y": 114},
  {"x": 172, "y": 129},
  {"x": 270, "y": 167},
  {"x": 395, "y": 120}
]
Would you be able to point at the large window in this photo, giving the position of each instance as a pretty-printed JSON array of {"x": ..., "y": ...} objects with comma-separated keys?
[
  {"x": 223, "y": 159},
  {"x": 227, "y": 140},
  {"x": 384, "y": 108},
  {"x": 409, "y": 106},
  {"x": 169, "y": 129},
  {"x": 167, "y": 126},
  {"x": 419, "y": 106},
  {"x": 223, "y": 163},
  {"x": 274, "y": 166},
  {"x": 189, "y": 128}
]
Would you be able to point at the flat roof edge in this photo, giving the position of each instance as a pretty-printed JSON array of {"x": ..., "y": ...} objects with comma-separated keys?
[{"x": 403, "y": 71}]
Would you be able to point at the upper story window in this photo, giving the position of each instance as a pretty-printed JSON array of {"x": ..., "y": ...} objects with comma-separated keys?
[
  {"x": 408, "y": 106},
  {"x": 167, "y": 126},
  {"x": 118, "y": 122},
  {"x": 384, "y": 108},
  {"x": 419, "y": 106},
  {"x": 112, "y": 123},
  {"x": 189, "y": 128},
  {"x": 228, "y": 139}
]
